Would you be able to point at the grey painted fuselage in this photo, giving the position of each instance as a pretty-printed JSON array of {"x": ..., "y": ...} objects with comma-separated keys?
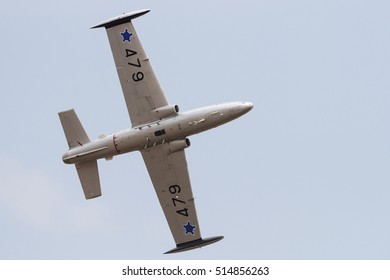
[{"x": 174, "y": 130}]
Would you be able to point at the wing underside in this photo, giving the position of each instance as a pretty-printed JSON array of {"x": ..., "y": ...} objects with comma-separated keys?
[
  {"x": 140, "y": 86},
  {"x": 144, "y": 96},
  {"x": 171, "y": 181}
]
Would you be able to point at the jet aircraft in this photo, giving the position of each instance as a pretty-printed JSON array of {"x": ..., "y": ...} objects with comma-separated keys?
[{"x": 158, "y": 131}]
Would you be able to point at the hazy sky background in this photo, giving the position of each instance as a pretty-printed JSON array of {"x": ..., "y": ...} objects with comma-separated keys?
[{"x": 304, "y": 175}]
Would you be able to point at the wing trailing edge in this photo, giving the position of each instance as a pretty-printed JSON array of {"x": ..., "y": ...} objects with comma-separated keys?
[
  {"x": 198, "y": 243},
  {"x": 126, "y": 17}
]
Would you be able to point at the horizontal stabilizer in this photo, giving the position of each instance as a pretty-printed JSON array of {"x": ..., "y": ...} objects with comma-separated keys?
[
  {"x": 74, "y": 130},
  {"x": 89, "y": 178},
  {"x": 198, "y": 243}
]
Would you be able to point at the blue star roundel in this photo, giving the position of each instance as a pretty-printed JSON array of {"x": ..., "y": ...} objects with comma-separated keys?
[
  {"x": 189, "y": 228},
  {"x": 126, "y": 36}
]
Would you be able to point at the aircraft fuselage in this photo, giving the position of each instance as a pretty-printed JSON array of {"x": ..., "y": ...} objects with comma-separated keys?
[{"x": 173, "y": 130}]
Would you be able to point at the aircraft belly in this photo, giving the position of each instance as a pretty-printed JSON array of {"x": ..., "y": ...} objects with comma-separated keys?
[
  {"x": 148, "y": 136},
  {"x": 157, "y": 133}
]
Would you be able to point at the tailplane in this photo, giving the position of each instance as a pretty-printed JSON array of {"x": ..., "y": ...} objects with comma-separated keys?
[
  {"x": 74, "y": 130},
  {"x": 89, "y": 178},
  {"x": 76, "y": 136}
]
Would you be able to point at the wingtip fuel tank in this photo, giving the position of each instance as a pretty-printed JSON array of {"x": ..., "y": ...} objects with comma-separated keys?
[{"x": 198, "y": 243}]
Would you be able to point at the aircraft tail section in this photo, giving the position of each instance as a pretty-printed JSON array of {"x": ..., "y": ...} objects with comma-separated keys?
[
  {"x": 89, "y": 178},
  {"x": 74, "y": 130},
  {"x": 76, "y": 136}
]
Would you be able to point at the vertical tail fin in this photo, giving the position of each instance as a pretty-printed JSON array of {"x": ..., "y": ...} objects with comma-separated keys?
[{"x": 74, "y": 130}]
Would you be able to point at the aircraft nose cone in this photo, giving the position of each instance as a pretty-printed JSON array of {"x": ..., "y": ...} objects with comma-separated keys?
[
  {"x": 245, "y": 107},
  {"x": 248, "y": 106},
  {"x": 241, "y": 108}
]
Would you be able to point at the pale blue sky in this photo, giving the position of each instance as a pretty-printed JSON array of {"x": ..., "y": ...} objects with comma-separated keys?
[{"x": 304, "y": 175}]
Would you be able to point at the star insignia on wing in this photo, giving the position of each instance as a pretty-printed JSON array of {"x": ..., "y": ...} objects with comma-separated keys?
[
  {"x": 126, "y": 36},
  {"x": 189, "y": 228}
]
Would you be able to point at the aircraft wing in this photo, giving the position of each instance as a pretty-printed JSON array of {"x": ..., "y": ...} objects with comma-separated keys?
[
  {"x": 169, "y": 174},
  {"x": 140, "y": 86},
  {"x": 166, "y": 164}
]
